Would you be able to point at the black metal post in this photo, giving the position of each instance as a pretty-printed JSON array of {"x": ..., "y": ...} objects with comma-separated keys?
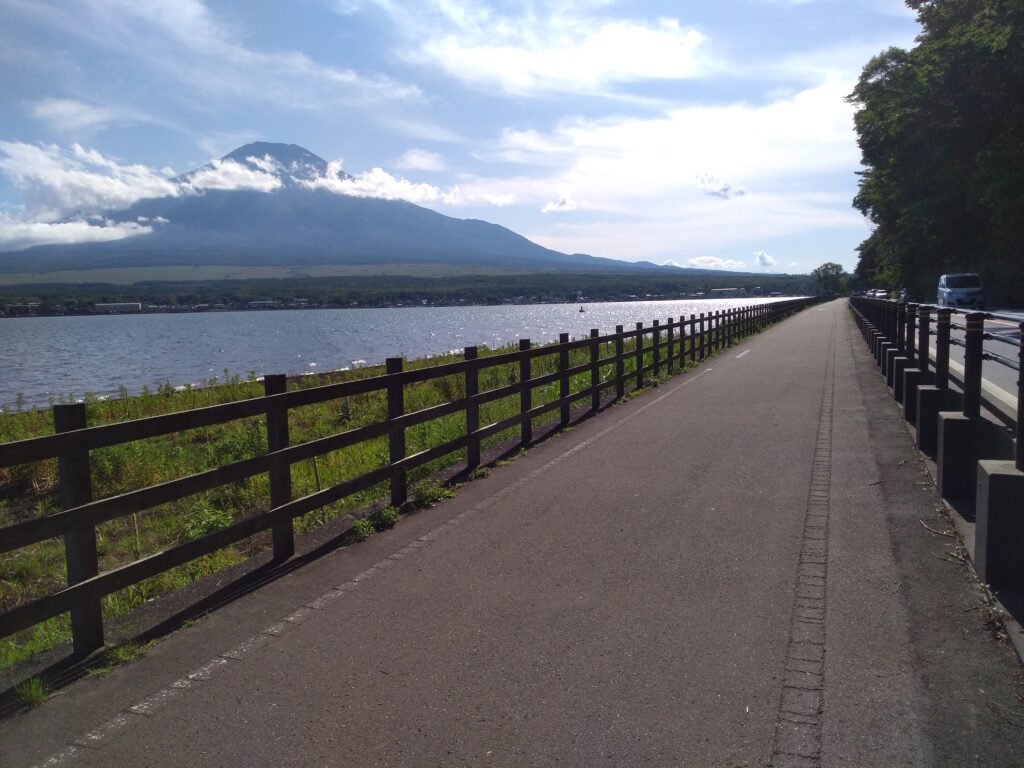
[
  {"x": 901, "y": 325},
  {"x": 1020, "y": 397},
  {"x": 924, "y": 319},
  {"x": 973, "y": 350},
  {"x": 942, "y": 319},
  {"x": 911, "y": 340}
]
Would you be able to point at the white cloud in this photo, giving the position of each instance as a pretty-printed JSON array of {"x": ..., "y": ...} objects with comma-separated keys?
[
  {"x": 715, "y": 187},
  {"x": 267, "y": 164},
  {"x": 564, "y": 203},
  {"x": 764, "y": 260},
  {"x": 563, "y": 48},
  {"x": 229, "y": 175},
  {"x": 421, "y": 160},
  {"x": 793, "y": 264},
  {"x": 57, "y": 183},
  {"x": 374, "y": 183},
  {"x": 17, "y": 235},
  {"x": 713, "y": 262},
  {"x": 184, "y": 40},
  {"x": 73, "y": 116}
]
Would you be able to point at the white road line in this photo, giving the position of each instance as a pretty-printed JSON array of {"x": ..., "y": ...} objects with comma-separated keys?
[{"x": 741, "y": 354}]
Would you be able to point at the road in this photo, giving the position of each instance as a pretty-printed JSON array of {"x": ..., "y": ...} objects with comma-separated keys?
[{"x": 735, "y": 568}]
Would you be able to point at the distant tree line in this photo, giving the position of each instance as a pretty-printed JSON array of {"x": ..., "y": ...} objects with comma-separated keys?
[
  {"x": 391, "y": 290},
  {"x": 941, "y": 131}
]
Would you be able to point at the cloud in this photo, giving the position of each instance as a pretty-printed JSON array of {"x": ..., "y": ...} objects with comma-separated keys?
[
  {"x": 376, "y": 183},
  {"x": 380, "y": 184},
  {"x": 564, "y": 203},
  {"x": 17, "y": 235},
  {"x": 185, "y": 41},
  {"x": 531, "y": 49},
  {"x": 713, "y": 262},
  {"x": 229, "y": 175},
  {"x": 421, "y": 160},
  {"x": 715, "y": 187},
  {"x": 764, "y": 260},
  {"x": 58, "y": 183},
  {"x": 73, "y": 116},
  {"x": 267, "y": 164}
]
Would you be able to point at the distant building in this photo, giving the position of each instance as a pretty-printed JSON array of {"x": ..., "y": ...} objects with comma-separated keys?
[
  {"x": 119, "y": 308},
  {"x": 16, "y": 310},
  {"x": 262, "y": 304},
  {"x": 724, "y": 293}
]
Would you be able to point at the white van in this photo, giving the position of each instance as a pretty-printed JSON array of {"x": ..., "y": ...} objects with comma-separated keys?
[{"x": 961, "y": 289}]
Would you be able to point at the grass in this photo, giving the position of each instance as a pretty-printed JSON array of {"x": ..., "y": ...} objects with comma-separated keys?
[
  {"x": 119, "y": 655},
  {"x": 32, "y": 692},
  {"x": 30, "y": 490}
]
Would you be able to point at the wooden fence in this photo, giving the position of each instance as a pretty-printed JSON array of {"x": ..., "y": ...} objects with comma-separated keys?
[{"x": 672, "y": 345}]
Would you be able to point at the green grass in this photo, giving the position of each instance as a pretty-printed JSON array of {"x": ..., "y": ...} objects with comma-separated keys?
[
  {"x": 28, "y": 491},
  {"x": 32, "y": 692}
]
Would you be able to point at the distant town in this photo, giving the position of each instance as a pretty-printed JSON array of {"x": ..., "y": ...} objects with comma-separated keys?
[{"x": 41, "y": 308}]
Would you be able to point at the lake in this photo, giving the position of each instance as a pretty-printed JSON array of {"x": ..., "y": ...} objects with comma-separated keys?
[{"x": 49, "y": 357}]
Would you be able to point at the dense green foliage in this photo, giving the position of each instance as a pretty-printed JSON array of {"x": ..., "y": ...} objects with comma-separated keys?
[
  {"x": 941, "y": 131},
  {"x": 830, "y": 279}
]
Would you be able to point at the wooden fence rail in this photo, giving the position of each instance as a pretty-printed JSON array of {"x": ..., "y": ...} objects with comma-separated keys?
[{"x": 671, "y": 346}]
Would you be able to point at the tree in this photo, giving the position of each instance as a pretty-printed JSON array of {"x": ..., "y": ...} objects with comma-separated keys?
[
  {"x": 831, "y": 278},
  {"x": 941, "y": 132}
]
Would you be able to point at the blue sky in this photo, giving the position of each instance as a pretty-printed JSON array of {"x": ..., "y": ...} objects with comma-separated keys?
[{"x": 699, "y": 133}]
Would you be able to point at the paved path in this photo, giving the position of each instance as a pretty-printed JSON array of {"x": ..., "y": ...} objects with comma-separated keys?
[{"x": 728, "y": 570}]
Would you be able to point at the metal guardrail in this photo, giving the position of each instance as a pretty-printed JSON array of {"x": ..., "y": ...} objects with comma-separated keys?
[
  {"x": 673, "y": 343},
  {"x": 897, "y": 322}
]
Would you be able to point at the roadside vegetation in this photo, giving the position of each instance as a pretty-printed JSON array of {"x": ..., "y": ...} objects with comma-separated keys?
[{"x": 30, "y": 490}]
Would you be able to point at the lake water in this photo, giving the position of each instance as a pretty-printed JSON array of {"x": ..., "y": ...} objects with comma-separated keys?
[{"x": 48, "y": 357}]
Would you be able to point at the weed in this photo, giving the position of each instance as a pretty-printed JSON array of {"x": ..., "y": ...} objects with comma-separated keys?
[
  {"x": 384, "y": 518},
  {"x": 124, "y": 653},
  {"x": 32, "y": 692},
  {"x": 362, "y": 529},
  {"x": 428, "y": 495},
  {"x": 479, "y": 473}
]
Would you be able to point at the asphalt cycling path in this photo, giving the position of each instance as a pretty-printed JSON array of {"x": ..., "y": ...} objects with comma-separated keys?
[{"x": 726, "y": 570}]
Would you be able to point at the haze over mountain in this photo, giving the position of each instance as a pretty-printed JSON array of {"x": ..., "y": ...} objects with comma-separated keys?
[{"x": 272, "y": 204}]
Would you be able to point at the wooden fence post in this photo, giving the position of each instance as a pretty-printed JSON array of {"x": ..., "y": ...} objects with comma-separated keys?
[
  {"x": 693, "y": 339},
  {"x": 620, "y": 365},
  {"x": 75, "y": 484},
  {"x": 525, "y": 393},
  {"x": 595, "y": 370},
  {"x": 472, "y": 408},
  {"x": 702, "y": 339},
  {"x": 396, "y": 436},
  {"x": 657, "y": 343},
  {"x": 639, "y": 353},
  {"x": 563, "y": 381},
  {"x": 283, "y": 533},
  {"x": 671, "y": 346}
]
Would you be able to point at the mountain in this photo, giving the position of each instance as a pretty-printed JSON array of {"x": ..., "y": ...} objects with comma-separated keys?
[{"x": 299, "y": 222}]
